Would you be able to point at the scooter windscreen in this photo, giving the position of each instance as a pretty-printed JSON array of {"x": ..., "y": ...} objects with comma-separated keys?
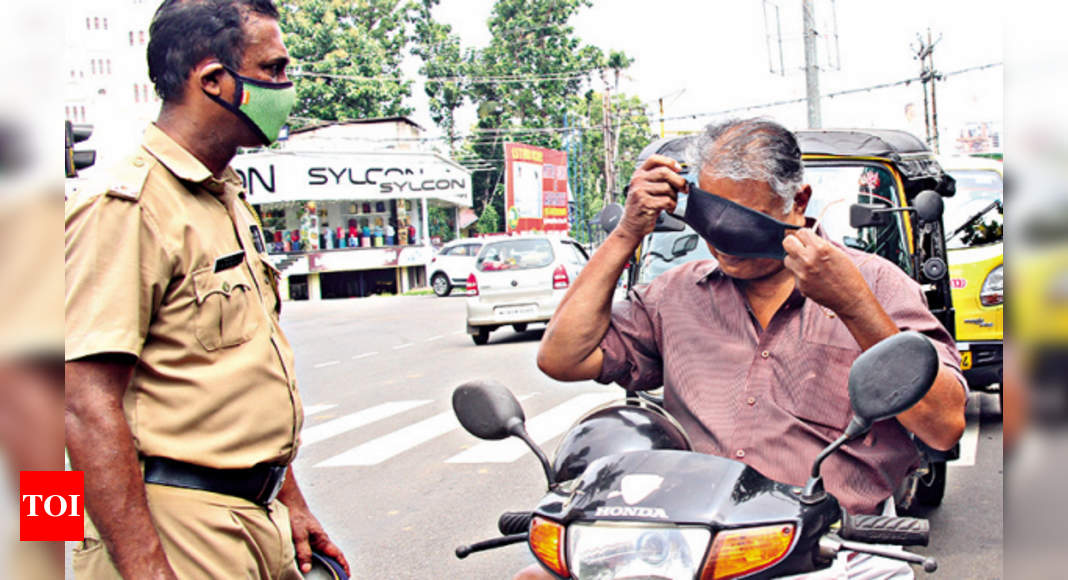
[{"x": 616, "y": 428}]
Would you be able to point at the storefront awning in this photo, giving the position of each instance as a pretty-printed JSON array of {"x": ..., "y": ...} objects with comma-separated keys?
[{"x": 294, "y": 176}]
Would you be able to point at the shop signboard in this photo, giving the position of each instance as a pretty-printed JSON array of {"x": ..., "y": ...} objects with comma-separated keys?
[
  {"x": 535, "y": 188},
  {"x": 273, "y": 177}
]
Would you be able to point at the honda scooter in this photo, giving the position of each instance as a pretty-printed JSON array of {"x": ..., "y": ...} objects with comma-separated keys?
[{"x": 633, "y": 500}]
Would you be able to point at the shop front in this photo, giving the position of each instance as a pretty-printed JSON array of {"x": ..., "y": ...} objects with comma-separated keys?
[{"x": 341, "y": 225}]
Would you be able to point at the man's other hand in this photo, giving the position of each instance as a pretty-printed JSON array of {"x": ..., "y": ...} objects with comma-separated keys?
[{"x": 653, "y": 188}]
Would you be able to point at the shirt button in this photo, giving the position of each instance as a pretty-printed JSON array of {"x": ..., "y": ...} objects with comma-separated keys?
[
  {"x": 751, "y": 401},
  {"x": 226, "y": 286},
  {"x": 138, "y": 162},
  {"x": 740, "y": 453},
  {"x": 765, "y": 354}
]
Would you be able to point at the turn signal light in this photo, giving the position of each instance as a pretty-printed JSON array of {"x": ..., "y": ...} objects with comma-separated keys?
[
  {"x": 472, "y": 285},
  {"x": 547, "y": 543},
  {"x": 560, "y": 279},
  {"x": 737, "y": 553}
]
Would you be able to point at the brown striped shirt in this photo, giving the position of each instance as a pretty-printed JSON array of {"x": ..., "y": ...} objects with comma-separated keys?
[{"x": 774, "y": 397}]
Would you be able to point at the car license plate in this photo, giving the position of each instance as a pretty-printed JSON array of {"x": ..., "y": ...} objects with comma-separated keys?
[
  {"x": 516, "y": 310},
  {"x": 965, "y": 360}
]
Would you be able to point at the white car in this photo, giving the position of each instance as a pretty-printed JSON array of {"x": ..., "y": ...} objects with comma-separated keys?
[
  {"x": 452, "y": 264},
  {"x": 519, "y": 280}
]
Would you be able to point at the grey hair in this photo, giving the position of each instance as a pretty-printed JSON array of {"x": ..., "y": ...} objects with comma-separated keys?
[{"x": 756, "y": 149}]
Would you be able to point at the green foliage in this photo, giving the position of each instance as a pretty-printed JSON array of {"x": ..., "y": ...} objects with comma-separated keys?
[
  {"x": 441, "y": 223},
  {"x": 489, "y": 222},
  {"x": 364, "y": 38},
  {"x": 443, "y": 58}
]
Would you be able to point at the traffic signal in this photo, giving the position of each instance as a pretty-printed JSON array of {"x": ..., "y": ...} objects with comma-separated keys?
[{"x": 78, "y": 159}]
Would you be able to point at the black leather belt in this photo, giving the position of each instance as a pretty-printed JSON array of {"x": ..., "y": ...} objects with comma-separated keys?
[{"x": 259, "y": 484}]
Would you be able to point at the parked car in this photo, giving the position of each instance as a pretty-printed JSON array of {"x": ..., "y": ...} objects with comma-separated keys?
[
  {"x": 974, "y": 219},
  {"x": 520, "y": 280},
  {"x": 452, "y": 264}
]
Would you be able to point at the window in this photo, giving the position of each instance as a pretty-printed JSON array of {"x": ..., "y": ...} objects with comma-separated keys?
[
  {"x": 82, "y": 111},
  {"x": 92, "y": 65},
  {"x": 66, "y": 111},
  {"x": 144, "y": 92},
  {"x": 137, "y": 95},
  {"x": 96, "y": 24},
  {"x": 131, "y": 38},
  {"x": 517, "y": 254},
  {"x": 109, "y": 66},
  {"x": 141, "y": 37},
  {"x": 88, "y": 24},
  {"x": 105, "y": 24}
]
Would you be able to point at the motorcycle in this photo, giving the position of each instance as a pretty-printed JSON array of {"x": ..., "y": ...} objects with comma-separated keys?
[{"x": 645, "y": 505}]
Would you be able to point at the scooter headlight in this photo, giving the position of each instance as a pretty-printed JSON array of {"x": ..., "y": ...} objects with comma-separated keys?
[{"x": 605, "y": 550}]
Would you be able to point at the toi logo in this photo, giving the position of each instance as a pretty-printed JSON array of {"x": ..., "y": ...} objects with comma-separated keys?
[{"x": 51, "y": 505}]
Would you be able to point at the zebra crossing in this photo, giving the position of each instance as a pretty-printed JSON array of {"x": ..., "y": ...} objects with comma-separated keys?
[
  {"x": 417, "y": 429},
  {"x": 542, "y": 427}
]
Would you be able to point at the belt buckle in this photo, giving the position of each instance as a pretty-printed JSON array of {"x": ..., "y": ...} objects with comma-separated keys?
[{"x": 276, "y": 477}]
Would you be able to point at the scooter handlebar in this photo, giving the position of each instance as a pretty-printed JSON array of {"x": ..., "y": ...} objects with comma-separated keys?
[
  {"x": 514, "y": 522},
  {"x": 885, "y": 530}
]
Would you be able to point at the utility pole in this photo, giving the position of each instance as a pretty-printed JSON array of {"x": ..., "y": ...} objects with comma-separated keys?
[
  {"x": 609, "y": 168},
  {"x": 812, "y": 69},
  {"x": 928, "y": 74}
]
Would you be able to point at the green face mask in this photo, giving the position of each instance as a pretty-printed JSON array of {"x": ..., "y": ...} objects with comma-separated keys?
[{"x": 262, "y": 105}]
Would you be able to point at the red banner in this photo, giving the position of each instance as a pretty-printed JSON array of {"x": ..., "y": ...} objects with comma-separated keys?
[{"x": 535, "y": 196}]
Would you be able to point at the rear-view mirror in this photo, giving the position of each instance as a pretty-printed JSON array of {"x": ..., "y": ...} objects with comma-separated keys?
[
  {"x": 684, "y": 245},
  {"x": 609, "y": 217},
  {"x": 889, "y": 378},
  {"x": 487, "y": 409},
  {"x": 863, "y": 215}
]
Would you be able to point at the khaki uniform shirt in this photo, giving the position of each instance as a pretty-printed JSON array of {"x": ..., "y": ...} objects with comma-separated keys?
[{"x": 147, "y": 274}]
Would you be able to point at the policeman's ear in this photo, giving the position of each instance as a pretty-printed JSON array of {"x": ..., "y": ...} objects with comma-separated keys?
[{"x": 210, "y": 76}]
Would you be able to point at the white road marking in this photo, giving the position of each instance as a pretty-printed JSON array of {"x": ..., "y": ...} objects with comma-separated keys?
[
  {"x": 438, "y": 337},
  {"x": 313, "y": 409},
  {"x": 378, "y": 450},
  {"x": 969, "y": 441},
  {"x": 405, "y": 345},
  {"x": 328, "y": 364},
  {"x": 356, "y": 420},
  {"x": 542, "y": 428},
  {"x": 365, "y": 355}
]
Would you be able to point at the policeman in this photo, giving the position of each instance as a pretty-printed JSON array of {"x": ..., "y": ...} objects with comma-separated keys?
[{"x": 182, "y": 407}]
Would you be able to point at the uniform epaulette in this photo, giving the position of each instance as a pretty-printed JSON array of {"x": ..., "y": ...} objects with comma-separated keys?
[{"x": 128, "y": 177}]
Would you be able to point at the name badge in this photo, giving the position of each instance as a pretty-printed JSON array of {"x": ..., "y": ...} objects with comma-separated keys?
[{"x": 229, "y": 261}]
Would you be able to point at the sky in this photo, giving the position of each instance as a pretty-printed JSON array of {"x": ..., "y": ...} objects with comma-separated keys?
[{"x": 706, "y": 56}]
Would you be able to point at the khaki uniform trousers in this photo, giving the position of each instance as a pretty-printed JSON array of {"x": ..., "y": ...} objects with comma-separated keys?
[{"x": 205, "y": 535}]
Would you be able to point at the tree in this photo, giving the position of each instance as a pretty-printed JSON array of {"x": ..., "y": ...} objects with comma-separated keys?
[
  {"x": 632, "y": 134},
  {"x": 537, "y": 66},
  {"x": 329, "y": 40},
  {"x": 443, "y": 58}
]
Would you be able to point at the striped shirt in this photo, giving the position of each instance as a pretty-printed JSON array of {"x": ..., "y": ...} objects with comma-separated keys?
[{"x": 771, "y": 398}]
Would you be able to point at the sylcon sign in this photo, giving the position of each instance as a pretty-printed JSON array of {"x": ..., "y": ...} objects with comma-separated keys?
[{"x": 273, "y": 177}]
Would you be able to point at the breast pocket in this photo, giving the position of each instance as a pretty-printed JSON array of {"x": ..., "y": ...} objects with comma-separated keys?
[
  {"x": 225, "y": 314},
  {"x": 816, "y": 385}
]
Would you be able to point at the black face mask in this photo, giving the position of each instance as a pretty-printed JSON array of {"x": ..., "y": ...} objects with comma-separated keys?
[{"x": 735, "y": 229}]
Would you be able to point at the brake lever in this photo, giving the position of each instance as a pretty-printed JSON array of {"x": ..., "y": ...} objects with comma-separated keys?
[
  {"x": 465, "y": 551},
  {"x": 829, "y": 546}
]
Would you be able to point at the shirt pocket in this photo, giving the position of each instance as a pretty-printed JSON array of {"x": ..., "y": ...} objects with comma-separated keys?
[
  {"x": 815, "y": 389},
  {"x": 225, "y": 313}
]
